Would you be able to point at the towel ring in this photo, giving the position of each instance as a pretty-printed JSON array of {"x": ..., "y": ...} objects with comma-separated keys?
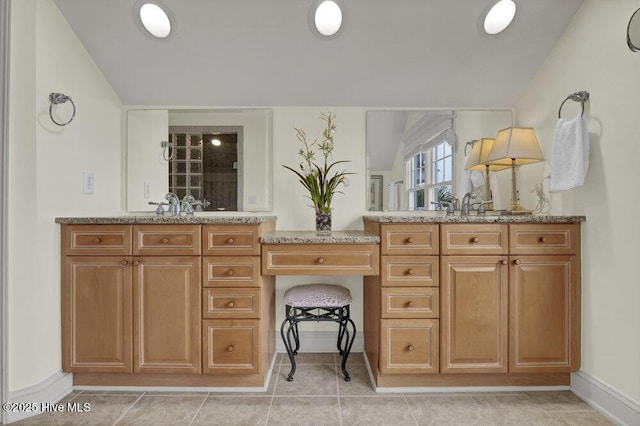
[
  {"x": 581, "y": 97},
  {"x": 60, "y": 98}
]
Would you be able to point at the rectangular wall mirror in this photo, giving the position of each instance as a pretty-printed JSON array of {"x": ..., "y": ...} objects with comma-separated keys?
[
  {"x": 223, "y": 156},
  {"x": 413, "y": 155}
]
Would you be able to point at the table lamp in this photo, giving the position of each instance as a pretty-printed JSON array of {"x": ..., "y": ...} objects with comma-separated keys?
[
  {"x": 513, "y": 147},
  {"x": 478, "y": 162}
]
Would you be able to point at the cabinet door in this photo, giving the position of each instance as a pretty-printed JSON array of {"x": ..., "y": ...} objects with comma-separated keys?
[
  {"x": 408, "y": 346},
  {"x": 473, "y": 314},
  {"x": 231, "y": 346},
  {"x": 166, "y": 311},
  {"x": 96, "y": 315},
  {"x": 544, "y": 314}
]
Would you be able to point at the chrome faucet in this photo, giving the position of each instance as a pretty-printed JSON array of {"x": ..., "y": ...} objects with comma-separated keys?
[
  {"x": 174, "y": 203},
  {"x": 465, "y": 208}
]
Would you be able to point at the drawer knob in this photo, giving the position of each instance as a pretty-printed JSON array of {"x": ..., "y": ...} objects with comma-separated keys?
[
  {"x": 124, "y": 263},
  {"x": 136, "y": 262},
  {"x": 410, "y": 348},
  {"x": 503, "y": 261},
  {"x": 543, "y": 239},
  {"x": 231, "y": 304},
  {"x": 475, "y": 240},
  {"x": 230, "y": 273},
  {"x": 97, "y": 240},
  {"x": 321, "y": 260},
  {"x": 410, "y": 304},
  {"x": 411, "y": 272},
  {"x": 165, "y": 240},
  {"x": 230, "y": 241},
  {"x": 410, "y": 240},
  {"x": 517, "y": 261},
  {"x": 230, "y": 348}
]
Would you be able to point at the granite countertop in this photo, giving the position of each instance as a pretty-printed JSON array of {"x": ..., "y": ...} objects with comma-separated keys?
[
  {"x": 312, "y": 237},
  {"x": 407, "y": 217},
  {"x": 236, "y": 218}
]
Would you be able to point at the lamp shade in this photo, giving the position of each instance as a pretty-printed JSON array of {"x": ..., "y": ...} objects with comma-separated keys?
[
  {"x": 515, "y": 143},
  {"x": 478, "y": 157}
]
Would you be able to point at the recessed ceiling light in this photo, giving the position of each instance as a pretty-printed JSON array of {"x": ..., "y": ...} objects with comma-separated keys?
[
  {"x": 325, "y": 18},
  {"x": 155, "y": 20},
  {"x": 216, "y": 142},
  {"x": 499, "y": 16}
]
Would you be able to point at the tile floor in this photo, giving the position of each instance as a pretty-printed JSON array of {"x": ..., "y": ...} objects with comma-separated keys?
[{"x": 319, "y": 396}]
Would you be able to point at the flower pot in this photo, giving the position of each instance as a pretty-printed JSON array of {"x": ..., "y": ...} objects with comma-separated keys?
[{"x": 323, "y": 222}]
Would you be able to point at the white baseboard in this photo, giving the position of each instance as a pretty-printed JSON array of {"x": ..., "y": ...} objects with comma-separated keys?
[
  {"x": 29, "y": 401},
  {"x": 320, "y": 341},
  {"x": 609, "y": 401}
]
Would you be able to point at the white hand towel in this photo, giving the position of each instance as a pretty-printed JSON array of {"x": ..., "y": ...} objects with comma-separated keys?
[
  {"x": 469, "y": 179},
  {"x": 570, "y": 154}
]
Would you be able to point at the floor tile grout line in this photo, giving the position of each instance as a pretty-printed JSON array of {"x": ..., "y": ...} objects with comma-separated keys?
[
  {"x": 129, "y": 409},
  {"x": 273, "y": 392},
  {"x": 199, "y": 408},
  {"x": 413, "y": 416}
]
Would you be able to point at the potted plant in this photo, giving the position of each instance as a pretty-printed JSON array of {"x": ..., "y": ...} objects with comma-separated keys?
[{"x": 321, "y": 180}]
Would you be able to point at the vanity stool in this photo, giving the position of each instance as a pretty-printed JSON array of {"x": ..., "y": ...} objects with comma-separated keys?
[{"x": 317, "y": 302}]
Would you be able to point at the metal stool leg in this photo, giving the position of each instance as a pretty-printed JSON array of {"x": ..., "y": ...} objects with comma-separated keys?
[
  {"x": 347, "y": 348},
  {"x": 286, "y": 339}
]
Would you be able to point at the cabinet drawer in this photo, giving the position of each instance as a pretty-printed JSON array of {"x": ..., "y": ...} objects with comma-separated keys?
[
  {"x": 231, "y": 346},
  {"x": 410, "y": 302},
  {"x": 231, "y": 303},
  {"x": 320, "y": 259},
  {"x": 166, "y": 240},
  {"x": 231, "y": 271},
  {"x": 409, "y": 271},
  {"x": 544, "y": 238},
  {"x": 474, "y": 239},
  {"x": 96, "y": 239},
  {"x": 409, "y": 346},
  {"x": 407, "y": 239},
  {"x": 231, "y": 239}
]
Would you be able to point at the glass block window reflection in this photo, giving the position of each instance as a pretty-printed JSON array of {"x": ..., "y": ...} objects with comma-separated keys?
[{"x": 185, "y": 167}]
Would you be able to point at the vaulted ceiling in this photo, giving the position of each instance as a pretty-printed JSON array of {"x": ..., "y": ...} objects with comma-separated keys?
[{"x": 405, "y": 53}]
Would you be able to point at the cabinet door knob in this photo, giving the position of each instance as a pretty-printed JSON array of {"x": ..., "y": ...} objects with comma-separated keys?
[
  {"x": 165, "y": 240},
  {"x": 97, "y": 240},
  {"x": 124, "y": 263},
  {"x": 230, "y": 273},
  {"x": 230, "y": 348},
  {"x": 410, "y": 348},
  {"x": 231, "y": 304},
  {"x": 411, "y": 272},
  {"x": 504, "y": 261},
  {"x": 230, "y": 241},
  {"x": 136, "y": 262},
  {"x": 410, "y": 240},
  {"x": 410, "y": 304},
  {"x": 517, "y": 261},
  {"x": 543, "y": 239},
  {"x": 475, "y": 240},
  {"x": 321, "y": 260}
]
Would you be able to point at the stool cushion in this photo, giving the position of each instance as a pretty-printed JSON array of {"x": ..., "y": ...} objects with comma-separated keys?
[{"x": 317, "y": 296}]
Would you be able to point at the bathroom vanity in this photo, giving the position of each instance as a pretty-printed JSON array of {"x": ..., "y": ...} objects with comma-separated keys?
[
  {"x": 155, "y": 301},
  {"x": 448, "y": 300}
]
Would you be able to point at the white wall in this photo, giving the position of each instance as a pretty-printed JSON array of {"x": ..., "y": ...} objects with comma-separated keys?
[
  {"x": 592, "y": 55},
  {"x": 46, "y": 165}
]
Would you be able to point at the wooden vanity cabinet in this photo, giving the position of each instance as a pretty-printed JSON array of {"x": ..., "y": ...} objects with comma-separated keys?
[
  {"x": 474, "y": 298},
  {"x": 544, "y": 298},
  {"x": 508, "y": 311},
  {"x": 238, "y": 319},
  {"x": 401, "y": 305},
  {"x": 163, "y": 303}
]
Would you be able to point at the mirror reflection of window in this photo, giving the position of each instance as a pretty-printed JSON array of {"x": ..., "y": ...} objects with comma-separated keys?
[
  {"x": 205, "y": 165},
  {"x": 430, "y": 173}
]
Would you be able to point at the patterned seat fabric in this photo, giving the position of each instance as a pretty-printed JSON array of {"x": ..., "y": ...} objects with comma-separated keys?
[{"x": 317, "y": 296}]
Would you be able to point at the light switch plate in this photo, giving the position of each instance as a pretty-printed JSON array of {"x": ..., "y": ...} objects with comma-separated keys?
[{"x": 88, "y": 182}]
